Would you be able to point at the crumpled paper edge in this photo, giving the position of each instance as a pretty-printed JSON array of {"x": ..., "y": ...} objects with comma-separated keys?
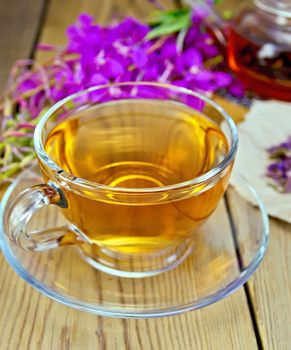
[{"x": 274, "y": 120}]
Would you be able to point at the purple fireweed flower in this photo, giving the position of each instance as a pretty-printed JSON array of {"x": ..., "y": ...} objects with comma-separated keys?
[
  {"x": 236, "y": 88},
  {"x": 279, "y": 171},
  {"x": 192, "y": 57},
  {"x": 120, "y": 52}
]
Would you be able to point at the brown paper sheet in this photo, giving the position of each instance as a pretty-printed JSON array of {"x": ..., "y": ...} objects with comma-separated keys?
[{"x": 267, "y": 124}]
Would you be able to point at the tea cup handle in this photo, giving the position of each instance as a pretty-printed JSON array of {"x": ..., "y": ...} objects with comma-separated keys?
[{"x": 21, "y": 210}]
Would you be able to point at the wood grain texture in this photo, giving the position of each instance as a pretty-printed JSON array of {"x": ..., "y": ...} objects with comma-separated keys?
[
  {"x": 19, "y": 22},
  {"x": 60, "y": 16},
  {"x": 235, "y": 111},
  {"x": 29, "y": 320},
  {"x": 36, "y": 322},
  {"x": 270, "y": 287}
]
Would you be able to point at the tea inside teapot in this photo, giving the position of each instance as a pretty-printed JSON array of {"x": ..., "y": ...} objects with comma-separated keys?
[{"x": 258, "y": 47}]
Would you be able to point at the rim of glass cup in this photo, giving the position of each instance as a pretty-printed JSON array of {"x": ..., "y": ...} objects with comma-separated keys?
[
  {"x": 112, "y": 310},
  {"x": 87, "y": 184}
]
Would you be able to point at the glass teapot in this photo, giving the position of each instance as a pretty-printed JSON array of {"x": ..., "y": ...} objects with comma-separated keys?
[{"x": 258, "y": 47}]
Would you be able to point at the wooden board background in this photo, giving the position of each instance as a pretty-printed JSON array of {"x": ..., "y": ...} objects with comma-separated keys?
[{"x": 255, "y": 317}]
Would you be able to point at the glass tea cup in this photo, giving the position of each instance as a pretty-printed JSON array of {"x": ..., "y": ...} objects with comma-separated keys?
[{"x": 136, "y": 169}]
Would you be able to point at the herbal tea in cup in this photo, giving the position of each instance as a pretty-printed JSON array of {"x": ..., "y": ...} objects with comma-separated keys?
[{"x": 136, "y": 168}]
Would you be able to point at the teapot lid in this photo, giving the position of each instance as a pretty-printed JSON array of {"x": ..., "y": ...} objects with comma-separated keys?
[{"x": 277, "y": 7}]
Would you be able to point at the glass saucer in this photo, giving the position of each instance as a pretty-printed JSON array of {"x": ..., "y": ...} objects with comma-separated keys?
[{"x": 227, "y": 250}]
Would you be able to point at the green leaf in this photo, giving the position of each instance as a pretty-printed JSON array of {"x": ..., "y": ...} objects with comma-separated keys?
[
  {"x": 2, "y": 147},
  {"x": 227, "y": 15},
  {"x": 19, "y": 141},
  {"x": 159, "y": 17},
  {"x": 7, "y": 154},
  {"x": 26, "y": 160},
  {"x": 10, "y": 123},
  {"x": 12, "y": 169},
  {"x": 167, "y": 28},
  {"x": 174, "y": 22}
]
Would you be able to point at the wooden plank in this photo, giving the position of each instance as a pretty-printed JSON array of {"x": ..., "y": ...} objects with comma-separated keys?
[
  {"x": 19, "y": 24},
  {"x": 235, "y": 111},
  {"x": 270, "y": 287},
  {"x": 103, "y": 11},
  {"x": 39, "y": 323},
  {"x": 32, "y": 321}
]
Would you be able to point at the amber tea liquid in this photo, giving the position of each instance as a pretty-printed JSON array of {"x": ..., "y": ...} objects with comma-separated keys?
[
  {"x": 139, "y": 144},
  {"x": 263, "y": 66}
]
